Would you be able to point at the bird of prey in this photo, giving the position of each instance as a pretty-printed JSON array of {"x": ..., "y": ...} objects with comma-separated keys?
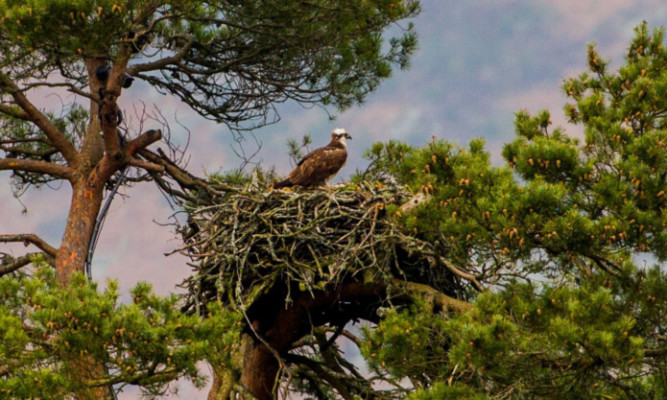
[{"x": 320, "y": 165}]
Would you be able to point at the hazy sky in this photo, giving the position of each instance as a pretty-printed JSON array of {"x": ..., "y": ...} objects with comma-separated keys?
[{"x": 479, "y": 62}]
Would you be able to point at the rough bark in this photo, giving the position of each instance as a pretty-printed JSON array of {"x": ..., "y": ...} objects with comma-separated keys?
[
  {"x": 85, "y": 205},
  {"x": 260, "y": 370},
  {"x": 88, "y": 369},
  {"x": 281, "y": 326}
]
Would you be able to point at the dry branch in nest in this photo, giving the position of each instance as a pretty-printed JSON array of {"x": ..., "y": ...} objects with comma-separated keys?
[{"x": 251, "y": 242}]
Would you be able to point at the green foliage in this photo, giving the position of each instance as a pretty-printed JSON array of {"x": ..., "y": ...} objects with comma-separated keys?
[
  {"x": 238, "y": 177},
  {"x": 409, "y": 343},
  {"x": 467, "y": 195},
  {"x": 605, "y": 197},
  {"x": 148, "y": 342},
  {"x": 443, "y": 391},
  {"x": 66, "y": 28},
  {"x": 22, "y": 140},
  {"x": 236, "y": 58},
  {"x": 576, "y": 217},
  {"x": 571, "y": 341},
  {"x": 626, "y": 137},
  {"x": 296, "y": 149}
]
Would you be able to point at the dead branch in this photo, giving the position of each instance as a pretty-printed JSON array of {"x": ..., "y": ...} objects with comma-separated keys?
[{"x": 191, "y": 187}]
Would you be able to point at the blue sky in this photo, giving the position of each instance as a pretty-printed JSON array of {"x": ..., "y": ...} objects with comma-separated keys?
[{"x": 478, "y": 63}]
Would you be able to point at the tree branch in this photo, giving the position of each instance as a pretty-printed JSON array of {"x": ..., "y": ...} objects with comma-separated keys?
[
  {"x": 144, "y": 140},
  {"x": 339, "y": 381},
  {"x": 161, "y": 63},
  {"x": 29, "y": 238},
  {"x": 57, "y": 138},
  {"x": 14, "y": 112},
  {"x": 462, "y": 274},
  {"x": 183, "y": 178},
  {"x": 44, "y": 154},
  {"x": 111, "y": 163},
  {"x": 16, "y": 263},
  {"x": 44, "y": 167},
  {"x": 438, "y": 300},
  {"x": 70, "y": 88},
  {"x": 148, "y": 166}
]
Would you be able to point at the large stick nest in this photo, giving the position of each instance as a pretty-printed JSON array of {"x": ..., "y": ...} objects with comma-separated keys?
[{"x": 246, "y": 241}]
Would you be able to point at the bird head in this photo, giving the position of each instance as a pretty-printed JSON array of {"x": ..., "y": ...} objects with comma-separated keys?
[{"x": 340, "y": 135}]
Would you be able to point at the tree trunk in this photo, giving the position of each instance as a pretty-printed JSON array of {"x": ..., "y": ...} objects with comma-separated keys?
[
  {"x": 85, "y": 205},
  {"x": 93, "y": 170},
  {"x": 260, "y": 370},
  {"x": 86, "y": 369},
  {"x": 71, "y": 257},
  {"x": 280, "y": 326},
  {"x": 87, "y": 197}
]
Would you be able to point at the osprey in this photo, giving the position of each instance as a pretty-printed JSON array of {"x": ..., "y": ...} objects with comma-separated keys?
[{"x": 320, "y": 165}]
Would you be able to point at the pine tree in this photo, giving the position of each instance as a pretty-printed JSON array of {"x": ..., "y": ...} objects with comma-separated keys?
[
  {"x": 230, "y": 61},
  {"x": 557, "y": 257},
  {"x": 148, "y": 342},
  {"x": 570, "y": 239}
]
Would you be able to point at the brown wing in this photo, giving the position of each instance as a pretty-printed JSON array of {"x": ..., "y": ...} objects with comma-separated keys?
[{"x": 318, "y": 166}]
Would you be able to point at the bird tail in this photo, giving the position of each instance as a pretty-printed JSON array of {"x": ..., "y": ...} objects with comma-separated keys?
[{"x": 282, "y": 184}]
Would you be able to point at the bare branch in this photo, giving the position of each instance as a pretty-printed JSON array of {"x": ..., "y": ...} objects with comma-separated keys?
[
  {"x": 26, "y": 140},
  {"x": 148, "y": 166},
  {"x": 39, "y": 166},
  {"x": 144, "y": 140},
  {"x": 44, "y": 154},
  {"x": 70, "y": 88},
  {"x": 29, "y": 238},
  {"x": 184, "y": 179},
  {"x": 351, "y": 337},
  {"x": 462, "y": 274}
]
